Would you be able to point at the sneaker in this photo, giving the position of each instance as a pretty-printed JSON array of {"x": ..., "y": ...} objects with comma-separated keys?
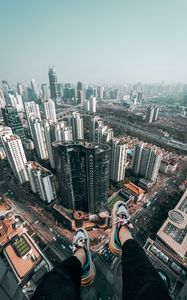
[
  {"x": 81, "y": 240},
  {"x": 120, "y": 217}
]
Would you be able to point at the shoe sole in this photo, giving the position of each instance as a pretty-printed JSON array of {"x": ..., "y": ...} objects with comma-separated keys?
[
  {"x": 90, "y": 278},
  {"x": 115, "y": 250}
]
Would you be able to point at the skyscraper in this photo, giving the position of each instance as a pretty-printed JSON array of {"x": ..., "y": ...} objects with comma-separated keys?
[
  {"x": 53, "y": 83},
  {"x": 12, "y": 120},
  {"x": 147, "y": 161},
  {"x": 83, "y": 174},
  {"x": 118, "y": 159},
  {"x": 42, "y": 181},
  {"x": 16, "y": 156},
  {"x": 49, "y": 110}
]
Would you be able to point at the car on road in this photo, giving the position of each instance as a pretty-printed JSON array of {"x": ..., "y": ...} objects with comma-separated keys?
[
  {"x": 54, "y": 238},
  {"x": 51, "y": 229},
  {"x": 63, "y": 246}
]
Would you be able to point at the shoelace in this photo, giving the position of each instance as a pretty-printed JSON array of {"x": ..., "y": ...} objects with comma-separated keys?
[
  {"x": 79, "y": 244},
  {"x": 123, "y": 221}
]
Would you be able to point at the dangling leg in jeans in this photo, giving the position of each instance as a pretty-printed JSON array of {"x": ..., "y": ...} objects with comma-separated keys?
[{"x": 140, "y": 278}]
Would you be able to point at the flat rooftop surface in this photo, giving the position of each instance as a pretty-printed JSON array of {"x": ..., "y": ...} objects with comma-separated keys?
[
  {"x": 22, "y": 266},
  {"x": 174, "y": 230}
]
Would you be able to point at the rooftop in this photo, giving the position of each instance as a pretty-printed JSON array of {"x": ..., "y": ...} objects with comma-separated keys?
[
  {"x": 174, "y": 230},
  {"x": 4, "y": 206},
  {"x": 22, "y": 255},
  {"x": 134, "y": 188},
  {"x": 8, "y": 229},
  {"x": 11, "y": 138},
  {"x": 37, "y": 167}
]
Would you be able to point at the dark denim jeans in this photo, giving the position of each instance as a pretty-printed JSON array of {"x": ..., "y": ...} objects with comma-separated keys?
[{"x": 140, "y": 279}]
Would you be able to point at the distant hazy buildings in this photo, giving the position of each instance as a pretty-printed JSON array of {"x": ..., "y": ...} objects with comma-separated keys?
[
  {"x": 90, "y": 105},
  {"x": 83, "y": 174},
  {"x": 15, "y": 100},
  {"x": 146, "y": 161},
  {"x": 118, "y": 160},
  {"x": 35, "y": 91},
  {"x": 53, "y": 83},
  {"x": 45, "y": 90},
  {"x": 42, "y": 181},
  {"x": 16, "y": 156},
  {"x": 2, "y": 99},
  {"x": 80, "y": 93},
  {"x": 152, "y": 114},
  {"x": 100, "y": 92},
  {"x": 11, "y": 119}
]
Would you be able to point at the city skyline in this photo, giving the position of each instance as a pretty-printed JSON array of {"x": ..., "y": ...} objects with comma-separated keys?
[{"x": 94, "y": 42}]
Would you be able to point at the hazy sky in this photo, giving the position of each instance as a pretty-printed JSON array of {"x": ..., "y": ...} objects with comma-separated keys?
[{"x": 109, "y": 41}]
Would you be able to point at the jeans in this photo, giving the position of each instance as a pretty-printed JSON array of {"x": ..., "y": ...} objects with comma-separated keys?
[{"x": 140, "y": 279}]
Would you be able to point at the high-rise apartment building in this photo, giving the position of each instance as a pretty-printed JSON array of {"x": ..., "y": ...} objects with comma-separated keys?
[
  {"x": 103, "y": 133},
  {"x": 118, "y": 159},
  {"x": 90, "y": 105},
  {"x": 137, "y": 158},
  {"x": 16, "y": 156},
  {"x": 32, "y": 111},
  {"x": 37, "y": 128},
  {"x": 152, "y": 114},
  {"x": 146, "y": 161},
  {"x": 42, "y": 181},
  {"x": 100, "y": 92},
  {"x": 49, "y": 110},
  {"x": 80, "y": 93},
  {"x": 15, "y": 100},
  {"x": 20, "y": 89},
  {"x": 55, "y": 132},
  {"x": 156, "y": 111},
  {"x": 90, "y": 91},
  {"x": 32, "y": 108},
  {"x": 79, "y": 86},
  {"x": 60, "y": 89},
  {"x": 45, "y": 90},
  {"x": 2, "y": 99},
  {"x": 149, "y": 114},
  {"x": 35, "y": 90},
  {"x": 90, "y": 124},
  {"x": 53, "y": 83},
  {"x": 77, "y": 127},
  {"x": 11, "y": 119},
  {"x": 83, "y": 174}
]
